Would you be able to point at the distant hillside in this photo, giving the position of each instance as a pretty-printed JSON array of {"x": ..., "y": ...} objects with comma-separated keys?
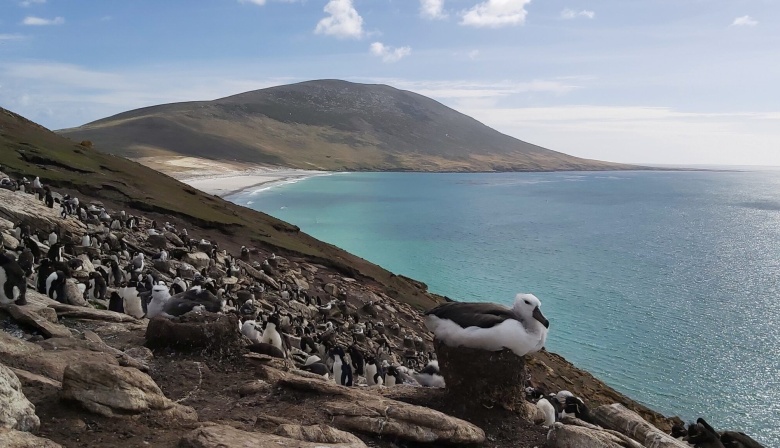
[
  {"x": 27, "y": 149},
  {"x": 328, "y": 125}
]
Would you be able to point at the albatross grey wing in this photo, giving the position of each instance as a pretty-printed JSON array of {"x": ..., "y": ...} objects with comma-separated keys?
[{"x": 483, "y": 315}]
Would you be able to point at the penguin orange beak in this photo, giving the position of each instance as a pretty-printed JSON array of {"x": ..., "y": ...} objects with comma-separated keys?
[{"x": 537, "y": 314}]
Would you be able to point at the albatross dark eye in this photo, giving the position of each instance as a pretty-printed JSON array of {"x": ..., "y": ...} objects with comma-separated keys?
[{"x": 527, "y": 302}]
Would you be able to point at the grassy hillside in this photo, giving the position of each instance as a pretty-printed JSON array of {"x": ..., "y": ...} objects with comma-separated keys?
[
  {"x": 328, "y": 125},
  {"x": 31, "y": 150}
]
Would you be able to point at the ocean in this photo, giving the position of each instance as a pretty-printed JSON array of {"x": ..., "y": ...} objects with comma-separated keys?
[{"x": 665, "y": 285}]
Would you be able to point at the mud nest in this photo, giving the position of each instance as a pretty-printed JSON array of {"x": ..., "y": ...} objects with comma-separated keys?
[
  {"x": 481, "y": 377},
  {"x": 205, "y": 333}
]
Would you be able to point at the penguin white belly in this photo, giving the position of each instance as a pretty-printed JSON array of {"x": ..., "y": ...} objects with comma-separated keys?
[
  {"x": 370, "y": 372},
  {"x": 508, "y": 334},
  {"x": 271, "y": 336},
  {"x": 249, "y": 330},
  {"x": 547, "y": 410},
  {"x": 49, "y": 280},
  {"x": 337, "y": 371},
  {"x": 389, "y": 380},
  {"x": 3, "y": 278},
  {"x": 132, "y": 303}
]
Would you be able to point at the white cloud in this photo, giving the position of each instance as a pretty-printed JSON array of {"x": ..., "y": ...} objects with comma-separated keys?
[
  {"x": 255, "y": 2},
  {"x": 569, "y": 14},
  {"x": 11, "y": 37},
  {"x": 343, "y": 20},
  {"x": 496, "y": 13},
  {"x": 39, "y": 21},
  {"x": 473, "y": 54},
  {"x": 26, "y": 3},
  {"x": 744, "y": 21},
  {"x": 389, "y": 54},
  {"x": 432, "y": 9},
  {"x": 466, "y": 91},
  {"x": 638, "y": 134}
]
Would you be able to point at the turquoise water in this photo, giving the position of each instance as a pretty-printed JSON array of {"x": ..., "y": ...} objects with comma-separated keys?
[{"x": 666, "y": 285}]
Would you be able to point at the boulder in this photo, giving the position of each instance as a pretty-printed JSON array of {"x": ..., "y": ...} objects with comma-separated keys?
[
  {"x": 157, "y": 241},
  {"x": 198, "y": 260},
  {"x": 72, "y": 294},
  {"x": 254, "y": 387},
  {"x": 16, "y": 411},
  {"x": 86, "y": 263},
  {"x": 318, "y": 434},
  {"x": 29, "y": 378},
  {"x": 355, "y": 410},
  {"x": 174, "y": 239},
  {"x": 142, "y": 354},
  {"x": 79, "y": 312},
  {"x": 9, "y": 242},
  {"x": 114, "y": 391},
  {"x": 166, "y": 267},
  {"x": 331, "y": 289},
  {"x": 28, "y": 315},
  {"x": 568, "y": 436},
  {"x": 221, "y": 436},
  {"x": 616, "y": 417},
  {"x": 258, "y": 275},
  {"x": 492, "y": 377},
  {"x": 207, "y": 332},
  {"x": 10, "y": 438}
]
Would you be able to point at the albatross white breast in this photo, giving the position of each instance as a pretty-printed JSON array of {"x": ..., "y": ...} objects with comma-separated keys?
[{"x": 489, "y": 326}]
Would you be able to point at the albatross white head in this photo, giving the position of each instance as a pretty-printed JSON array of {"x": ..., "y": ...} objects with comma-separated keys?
[{"x": 527, "y": 307}]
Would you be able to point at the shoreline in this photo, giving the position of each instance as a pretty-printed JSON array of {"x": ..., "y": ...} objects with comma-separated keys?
[
  {"x": 224, "y": 185},
  {"x": 224, "y": 178}
]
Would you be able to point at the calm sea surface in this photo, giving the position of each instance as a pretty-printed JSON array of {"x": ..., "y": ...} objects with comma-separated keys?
[{"x": 666, "y": 285}]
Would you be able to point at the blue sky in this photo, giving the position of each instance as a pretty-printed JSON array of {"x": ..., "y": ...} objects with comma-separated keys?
[{"x": 653, "y": 81}]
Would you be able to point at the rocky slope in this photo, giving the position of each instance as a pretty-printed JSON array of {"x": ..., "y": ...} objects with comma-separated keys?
[{"x": 326, "y": 125}]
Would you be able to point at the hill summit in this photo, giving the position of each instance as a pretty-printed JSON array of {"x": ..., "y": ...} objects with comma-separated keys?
[{"x": 327, "y": 125}]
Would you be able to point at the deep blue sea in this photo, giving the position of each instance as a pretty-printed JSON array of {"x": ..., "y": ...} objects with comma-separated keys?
[{"x": 666, "y": 285}]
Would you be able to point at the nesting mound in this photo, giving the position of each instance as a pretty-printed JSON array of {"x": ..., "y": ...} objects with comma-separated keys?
[
  {"x": 481, "y": 377},
  {"x": 206, "y": 333}
]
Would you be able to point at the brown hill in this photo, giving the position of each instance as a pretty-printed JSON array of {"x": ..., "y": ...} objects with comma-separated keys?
[{"x": 327, "y": 125}]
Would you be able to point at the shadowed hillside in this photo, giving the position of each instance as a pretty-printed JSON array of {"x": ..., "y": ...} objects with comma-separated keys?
[
  {"x": 31, "y": 150},
  {"x": 328, "y": 125}
]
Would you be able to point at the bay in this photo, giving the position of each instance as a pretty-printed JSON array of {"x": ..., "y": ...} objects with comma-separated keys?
[{"x": 663, "y": 284}]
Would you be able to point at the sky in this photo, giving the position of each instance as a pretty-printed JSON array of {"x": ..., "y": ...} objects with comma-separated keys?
[{"x": 650, "y": 81}]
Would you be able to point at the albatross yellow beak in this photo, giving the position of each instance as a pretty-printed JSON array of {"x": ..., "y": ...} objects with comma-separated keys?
[{"x": 537, "y": 314}]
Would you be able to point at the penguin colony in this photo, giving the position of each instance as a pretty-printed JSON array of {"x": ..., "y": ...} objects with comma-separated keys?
[
  {"x": 137, "y": 266},
  {"x": 133, "y": 265}
]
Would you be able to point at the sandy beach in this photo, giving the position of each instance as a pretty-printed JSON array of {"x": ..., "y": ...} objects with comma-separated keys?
[{"x": 225, "y": 178}]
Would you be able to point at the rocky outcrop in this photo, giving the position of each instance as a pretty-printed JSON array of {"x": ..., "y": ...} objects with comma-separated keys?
[
  {"x": 10, "y": 438},
  {"x": 21, "y": 207},
  {"x": 199, "y": 260},
  {"x": 568, "y": 436},
  {"x": 33, "y": 317},
  {"x": 618, "y": 418},
  {"x": 16, "y": 411},
  {"x": 318, "y": 434},
  {"x": 484, "y": 377},
  {"x": 115, "y": 391},
  {"x": 355, "y": 410},
  {"x": 208, "y": 332},
  {"x": 221, "y": 436}
]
